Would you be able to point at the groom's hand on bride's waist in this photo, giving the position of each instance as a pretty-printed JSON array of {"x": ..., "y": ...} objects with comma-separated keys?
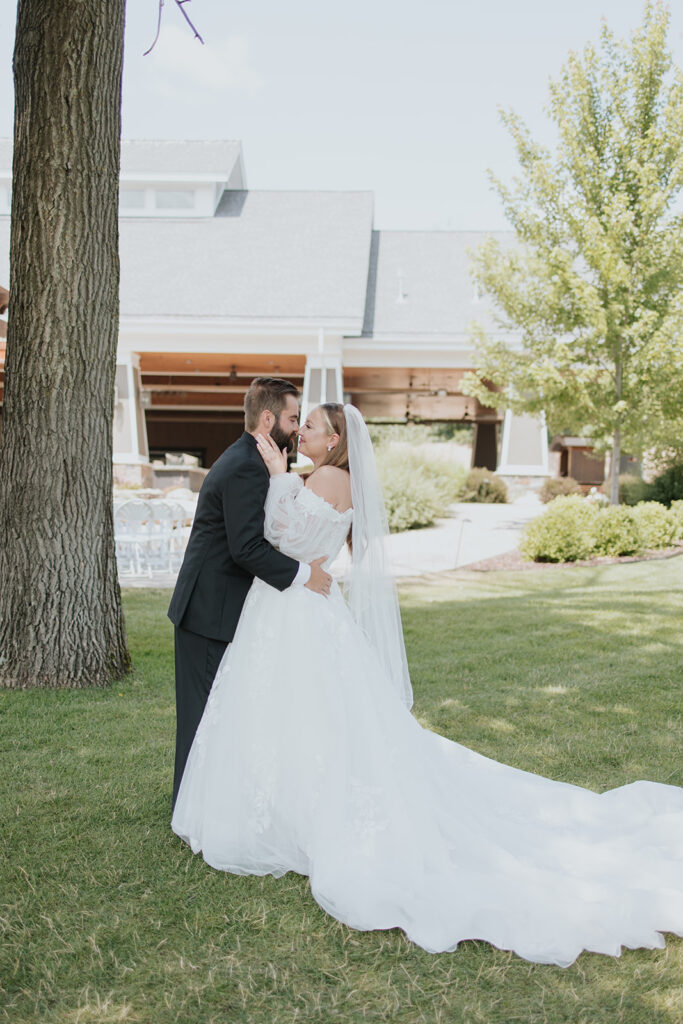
[{"x": 319, "y": 581}]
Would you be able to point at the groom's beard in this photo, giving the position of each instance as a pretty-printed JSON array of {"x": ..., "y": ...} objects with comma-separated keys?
[{"x": 283, "y": 440}]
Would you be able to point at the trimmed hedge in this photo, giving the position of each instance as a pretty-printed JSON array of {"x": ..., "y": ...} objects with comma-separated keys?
[
  {"x": 657, "y": 525},
  {"x": 572, "y": 528},
  {"x": 564, "y": 532},
  {"x": 677, "y": 512},
  {"x": 617, "y": 532}
]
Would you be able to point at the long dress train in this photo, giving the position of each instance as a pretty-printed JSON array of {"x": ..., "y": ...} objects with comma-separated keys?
[{"x": 306, "y": 760}]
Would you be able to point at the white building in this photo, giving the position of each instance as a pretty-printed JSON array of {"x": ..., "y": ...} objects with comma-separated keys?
[{"x": 220, "y": 284}]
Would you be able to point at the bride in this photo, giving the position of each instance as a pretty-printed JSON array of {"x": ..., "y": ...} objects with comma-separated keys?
[{"x": 307, "y": 759}]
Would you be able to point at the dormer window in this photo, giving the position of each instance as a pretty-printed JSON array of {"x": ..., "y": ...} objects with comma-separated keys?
[
  {"x": 160, "y": 200},
  {"x": 175, "y": 199},
  {"x": 132, "y": 198},
  {"x": 162, "y": 178}
]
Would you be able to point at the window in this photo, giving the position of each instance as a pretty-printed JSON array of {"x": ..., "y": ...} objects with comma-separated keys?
[
  {"x": 175, "y": 199},
  {"x": 132, "y": 198}
]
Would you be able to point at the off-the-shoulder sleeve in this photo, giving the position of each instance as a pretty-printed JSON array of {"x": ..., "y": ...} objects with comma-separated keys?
[
  {"x": 283, "y": 520},
  {"x": 301, "y": 523}
]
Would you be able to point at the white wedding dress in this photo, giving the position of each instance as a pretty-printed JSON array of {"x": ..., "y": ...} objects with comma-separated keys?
[{"x": 306, "y": 760}]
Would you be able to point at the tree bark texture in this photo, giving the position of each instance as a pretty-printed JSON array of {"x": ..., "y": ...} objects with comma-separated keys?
[{"x": 61, "y": 622}]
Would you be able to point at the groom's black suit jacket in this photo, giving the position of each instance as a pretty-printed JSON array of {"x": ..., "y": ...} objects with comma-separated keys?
[{"x": 227, "y": 548}]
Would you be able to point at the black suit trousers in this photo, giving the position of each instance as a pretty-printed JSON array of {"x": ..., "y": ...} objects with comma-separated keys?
[{"x": 196, "y": 662}]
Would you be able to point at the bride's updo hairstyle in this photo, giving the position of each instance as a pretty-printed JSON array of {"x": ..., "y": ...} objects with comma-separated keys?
[{"x": 335, "y": 421}]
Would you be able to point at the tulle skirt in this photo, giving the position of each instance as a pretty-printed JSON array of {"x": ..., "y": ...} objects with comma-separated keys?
[{"x": 307, "y": 761}]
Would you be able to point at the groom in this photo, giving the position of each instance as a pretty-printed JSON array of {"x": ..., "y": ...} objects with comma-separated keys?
[{"x": 225, "y": 551}]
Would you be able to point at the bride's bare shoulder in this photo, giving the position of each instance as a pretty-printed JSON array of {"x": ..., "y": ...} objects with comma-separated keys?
[
  {"x": 333, "y": 484},
  {"x": 333, "y": 474}
]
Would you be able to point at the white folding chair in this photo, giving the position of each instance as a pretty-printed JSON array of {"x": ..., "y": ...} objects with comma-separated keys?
[
  {"x": 161, "y": 541},
  {"x": 132, "y": 535}
]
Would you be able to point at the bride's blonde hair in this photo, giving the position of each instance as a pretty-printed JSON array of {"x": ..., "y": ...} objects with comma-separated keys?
[{"x": 335, "y": 422}]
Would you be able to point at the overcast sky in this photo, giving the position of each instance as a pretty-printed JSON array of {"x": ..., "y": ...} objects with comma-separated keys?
[{"x": 370, "y": 94}]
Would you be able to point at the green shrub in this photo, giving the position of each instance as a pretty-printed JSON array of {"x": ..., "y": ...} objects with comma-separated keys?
[
  {"x": 461, "y": 433},
  {"x": 677, "y": 513},
  {"x": 416, "y": 490},
  {"x": 668, "y": 486},
  {"x": 617, "y": 532},
  {"x": 411, "y": 500},
  {"x": 558, "y": 486},
  {"x": 420, "y": 433},
  {"x": 633, "y": 489},
  {"x": 658, "y": 525},
  {"x": 410, "y": 494},
  {"x": 564, "y": 532},
  {"x": 447, "y": 477},
  {"x": 403, "y": 433},
  {"x": 483, "y": 485}
]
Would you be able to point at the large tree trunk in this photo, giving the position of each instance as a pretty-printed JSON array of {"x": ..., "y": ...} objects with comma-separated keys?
[{"x": 60, "y": 605}]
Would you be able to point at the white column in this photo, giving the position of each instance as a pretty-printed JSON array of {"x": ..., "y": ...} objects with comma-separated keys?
[
  {"x": 323, "y": 382},
  {"x": 524, "y": 449},
  {"x": 130, "y": 430}
]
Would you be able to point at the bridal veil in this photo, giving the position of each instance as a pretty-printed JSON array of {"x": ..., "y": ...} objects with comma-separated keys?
[{"x": 370, "y": 590}]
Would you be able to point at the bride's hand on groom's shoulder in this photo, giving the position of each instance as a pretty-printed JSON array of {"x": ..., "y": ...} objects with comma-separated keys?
[{"x": 275, "y": 460}]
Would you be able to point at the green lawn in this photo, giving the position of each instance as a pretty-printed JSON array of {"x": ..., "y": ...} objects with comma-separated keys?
[{"x": 105, "y": 916}]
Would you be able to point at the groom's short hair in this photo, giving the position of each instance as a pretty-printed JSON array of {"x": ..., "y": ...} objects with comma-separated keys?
[{"x": 266, "y": 393}]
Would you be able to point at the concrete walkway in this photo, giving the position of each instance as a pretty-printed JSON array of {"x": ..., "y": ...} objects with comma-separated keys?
[{"x": 472, "y": 533}]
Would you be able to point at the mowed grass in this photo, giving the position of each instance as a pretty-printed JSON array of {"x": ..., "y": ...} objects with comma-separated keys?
[{"x": 574, "y": 673}]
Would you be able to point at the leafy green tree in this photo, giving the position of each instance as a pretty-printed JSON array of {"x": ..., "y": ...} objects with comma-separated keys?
[{"x": 590, "y": 300}]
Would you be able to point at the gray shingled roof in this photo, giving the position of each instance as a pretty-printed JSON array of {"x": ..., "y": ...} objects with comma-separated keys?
[
  {"x": 298, "y": 256},
  {"x": 279, "y": 255},
  {"x": 419, "y": 283},
  {"x": 165, "y": 156}
]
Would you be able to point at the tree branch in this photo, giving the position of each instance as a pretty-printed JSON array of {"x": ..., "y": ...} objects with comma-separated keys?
[
  {"x": 161, "y": 7},
  {"x": 180, "y": 4}
]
